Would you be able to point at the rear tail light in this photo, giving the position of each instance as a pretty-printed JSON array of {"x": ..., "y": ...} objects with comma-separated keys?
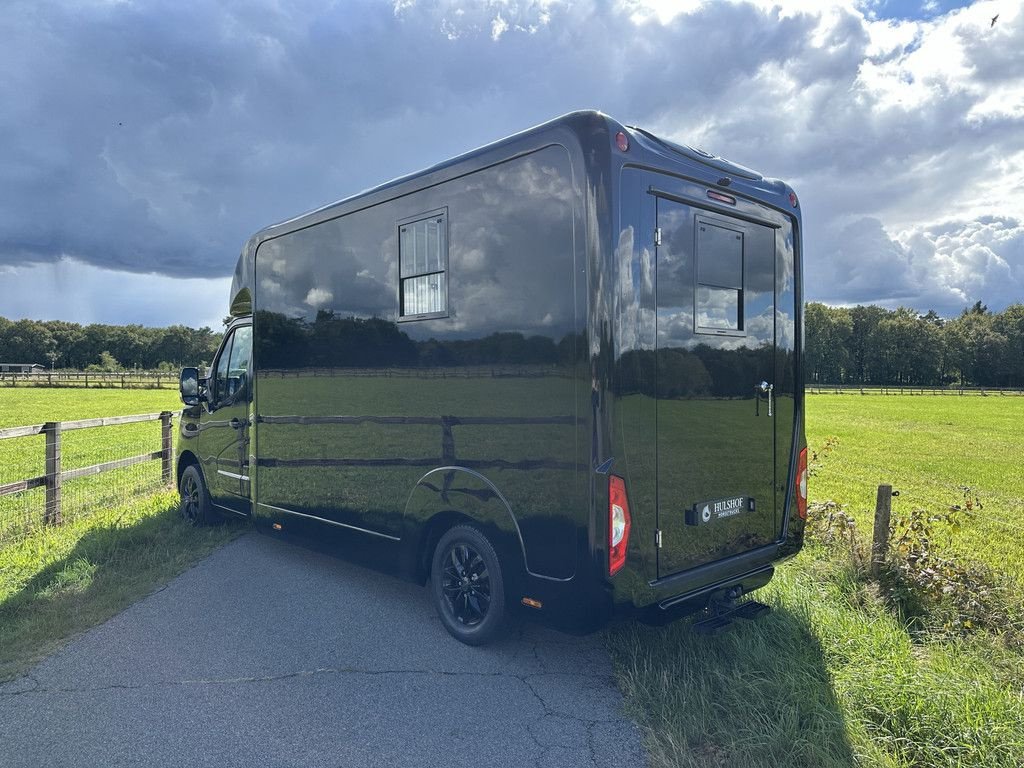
[
  {"x": 801, "y": 485},
  {"x": 618, "y": 524}
]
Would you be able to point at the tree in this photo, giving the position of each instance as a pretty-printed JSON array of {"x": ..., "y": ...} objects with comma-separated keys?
[
  {"x": 107, "y": 362},
  {"x": 1010, "y": 323},
  {"x": 908, "y": 349},
  {"x": 983, "y": 351},
  {"x": 827, "y": 346},
  {"x": 864, "y": 359}
]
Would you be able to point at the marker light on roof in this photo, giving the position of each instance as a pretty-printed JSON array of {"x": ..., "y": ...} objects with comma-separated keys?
[
  {"x": 792, "y": 199},
  {"x": 721, "y": 197},
  {"x": 621, "y": 141}
]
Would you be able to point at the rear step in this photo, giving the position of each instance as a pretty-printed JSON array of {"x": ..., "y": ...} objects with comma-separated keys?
[{"x": 721, "y": 616}]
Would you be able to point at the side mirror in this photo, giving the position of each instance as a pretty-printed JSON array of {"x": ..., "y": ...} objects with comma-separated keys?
[{"x": 188, "y": 386}]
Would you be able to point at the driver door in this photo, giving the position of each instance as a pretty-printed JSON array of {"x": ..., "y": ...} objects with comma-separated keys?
[{"x": 225, "y": 431}]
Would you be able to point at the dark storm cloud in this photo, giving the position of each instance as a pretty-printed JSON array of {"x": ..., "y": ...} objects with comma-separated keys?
[{"x": 158, "y": 137}]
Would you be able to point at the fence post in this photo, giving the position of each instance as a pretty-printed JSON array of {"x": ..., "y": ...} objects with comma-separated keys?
[
  {"x": 165, "y": 447},
  {"x": 52, "y": 515},
  {"x": 447, "y": 440},
  {"x": 880, "y": 541}
]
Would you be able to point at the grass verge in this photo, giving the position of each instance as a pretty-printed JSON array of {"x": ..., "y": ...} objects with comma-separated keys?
[
  {"x": 829, "y": 678},
  {"x": 61, "y": 581}
]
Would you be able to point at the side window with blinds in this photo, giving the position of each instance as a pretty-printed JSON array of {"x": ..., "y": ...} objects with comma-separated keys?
[{"x": 423, "y": 258}]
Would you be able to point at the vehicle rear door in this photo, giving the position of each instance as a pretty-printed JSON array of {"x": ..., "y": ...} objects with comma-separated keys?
[{"x": 715, "y": 341}]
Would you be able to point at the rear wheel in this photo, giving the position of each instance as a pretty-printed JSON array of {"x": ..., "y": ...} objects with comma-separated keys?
[
  {"x": 195, "y": 498},
  {"x": 467, "y": 585}
]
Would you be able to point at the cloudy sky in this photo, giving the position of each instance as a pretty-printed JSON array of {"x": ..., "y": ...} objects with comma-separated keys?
[{"x": 141, "y": 143}]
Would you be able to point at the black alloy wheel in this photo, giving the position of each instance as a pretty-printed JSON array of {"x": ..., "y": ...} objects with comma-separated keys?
[
  {"x": 195, "y": 500},
  {"x": 467, "y": 585}
]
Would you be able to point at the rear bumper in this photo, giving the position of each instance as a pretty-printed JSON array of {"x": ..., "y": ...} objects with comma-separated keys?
[
  {"x": 578, "y": 607},
  {"x": 706, "y": 579}
]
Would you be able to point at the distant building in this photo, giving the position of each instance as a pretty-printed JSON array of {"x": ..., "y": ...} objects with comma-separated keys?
[{"x": 21, "y": 368}]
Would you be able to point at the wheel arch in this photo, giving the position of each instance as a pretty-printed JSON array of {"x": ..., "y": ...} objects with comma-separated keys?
[
  {"x": 185, "y": 460},
  {"x": 450, "y": 496}
]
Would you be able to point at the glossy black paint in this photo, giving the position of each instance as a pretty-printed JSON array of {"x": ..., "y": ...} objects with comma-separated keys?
[
  {"x": 214, "y": 432},
  {"x": 547, "y": 347}
]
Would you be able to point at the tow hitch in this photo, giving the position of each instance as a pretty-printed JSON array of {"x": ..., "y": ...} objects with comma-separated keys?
[{"x": 722, "y": 609}]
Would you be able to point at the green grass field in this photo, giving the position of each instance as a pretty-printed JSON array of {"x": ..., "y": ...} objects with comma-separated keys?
[
  {"x": 36, "y": 405},
  {"x": 24, "y": 456},
  {"x": 929, "y": 448}
]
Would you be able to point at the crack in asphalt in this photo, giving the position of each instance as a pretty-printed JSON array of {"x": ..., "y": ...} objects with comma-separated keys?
[
  {"x": 38, "y": 688},
  {"x": 544, "y": 749}
]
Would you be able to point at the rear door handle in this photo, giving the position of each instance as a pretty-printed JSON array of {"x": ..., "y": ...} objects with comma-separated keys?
[{"x": 768, "y": 391}]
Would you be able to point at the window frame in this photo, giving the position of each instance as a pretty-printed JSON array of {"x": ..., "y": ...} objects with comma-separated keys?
[
  {"x": 710, "y": 330},
  {"x": 217, "y": 382},
  {"x": 441, "y": 213},
  {"x": 214, "y": 385}
]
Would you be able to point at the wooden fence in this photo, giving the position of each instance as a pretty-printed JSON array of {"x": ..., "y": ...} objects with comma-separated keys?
[
  {"x": 165, "y": 380},
  {"x": 54, "y": 476},
  {"x": 97, "y": 379}
]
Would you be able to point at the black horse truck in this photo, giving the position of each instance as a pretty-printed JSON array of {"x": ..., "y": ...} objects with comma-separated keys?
[{"x": 559, "y": 374}]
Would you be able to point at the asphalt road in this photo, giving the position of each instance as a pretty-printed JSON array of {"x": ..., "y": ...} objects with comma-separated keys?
[{"x": 267, "y": 654}]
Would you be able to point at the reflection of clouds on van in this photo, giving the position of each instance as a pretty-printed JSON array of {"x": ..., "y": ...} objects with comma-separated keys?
[
  {"x": 509, "y": 254},
  {"x": 718, "y": 308},
  {"x": 512, "y": 254}
]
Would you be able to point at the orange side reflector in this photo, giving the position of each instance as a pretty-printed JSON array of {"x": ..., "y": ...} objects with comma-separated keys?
[
  {"x": 276, "y": 526},
  {"x": 529, "y": 602}
]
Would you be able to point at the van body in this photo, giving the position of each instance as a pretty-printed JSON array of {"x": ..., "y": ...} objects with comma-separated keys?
[{"x": 582, "y": 343}]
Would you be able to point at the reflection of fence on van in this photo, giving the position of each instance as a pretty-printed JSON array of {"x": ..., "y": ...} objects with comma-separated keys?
[
  {"x": 455, "y": 372},
  {"x": 447, "y": 455}
]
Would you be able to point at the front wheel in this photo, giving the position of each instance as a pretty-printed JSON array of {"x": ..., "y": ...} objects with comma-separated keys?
[
  {"x": 467, "y": 586},
  {"x": 195, "y": 498}
]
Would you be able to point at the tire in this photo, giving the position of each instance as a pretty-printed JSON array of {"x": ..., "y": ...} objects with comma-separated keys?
[
  {"x": 467, "y": 587},
  {"x": 195, "y": 505}
]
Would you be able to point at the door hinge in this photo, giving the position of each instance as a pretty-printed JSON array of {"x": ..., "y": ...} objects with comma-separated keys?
[
  {"x": 657, "y": 538},
  {"x": 657, "y": 235}
]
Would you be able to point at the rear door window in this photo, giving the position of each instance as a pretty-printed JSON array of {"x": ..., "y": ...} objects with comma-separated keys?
[{"x": 719, "y": 289}]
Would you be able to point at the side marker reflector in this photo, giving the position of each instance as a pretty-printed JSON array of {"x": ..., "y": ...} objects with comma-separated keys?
[
  {"x": 529, "y": 602},
  {"x": 276, "y": 526}
]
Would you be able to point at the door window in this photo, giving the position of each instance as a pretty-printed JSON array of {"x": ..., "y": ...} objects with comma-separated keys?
[{"x": 231, "y": 378}]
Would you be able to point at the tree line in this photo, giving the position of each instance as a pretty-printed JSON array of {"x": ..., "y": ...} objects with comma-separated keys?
[
  {"x": 872, "y": 345},
  {"x": 59, "y": 344},
  {"x": 844, "y": 345},
  {"x": 332, "y": 341}
]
